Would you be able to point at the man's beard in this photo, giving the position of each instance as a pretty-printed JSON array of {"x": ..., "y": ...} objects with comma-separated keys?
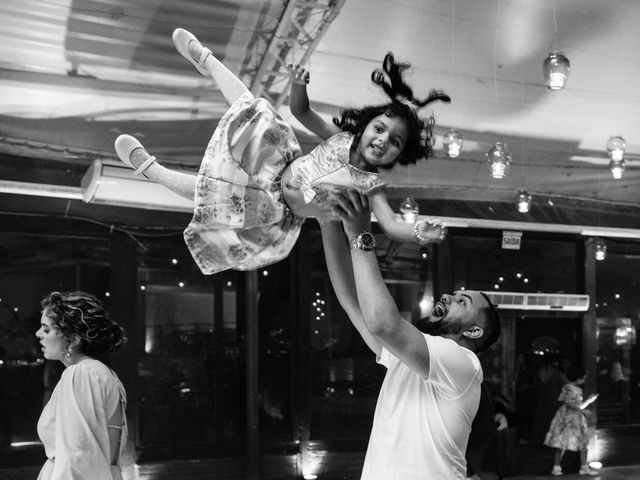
[{"x": 438, "y": 328}]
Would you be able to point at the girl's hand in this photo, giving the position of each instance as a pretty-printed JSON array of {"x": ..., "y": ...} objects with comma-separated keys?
[
  {"x": 428, "y": 231},
  {"x": 298, "y": 74}
]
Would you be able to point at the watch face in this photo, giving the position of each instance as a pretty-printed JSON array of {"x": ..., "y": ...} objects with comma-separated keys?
[{"x": 367, "y": 241}]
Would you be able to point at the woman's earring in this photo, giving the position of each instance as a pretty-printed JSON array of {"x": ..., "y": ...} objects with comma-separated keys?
[{"x": 67, "y": 353}]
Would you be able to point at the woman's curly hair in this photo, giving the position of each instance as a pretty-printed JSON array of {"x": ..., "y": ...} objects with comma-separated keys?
[
  {"x": 82, "y": 314},
  {"x": 403, "y": 105}
]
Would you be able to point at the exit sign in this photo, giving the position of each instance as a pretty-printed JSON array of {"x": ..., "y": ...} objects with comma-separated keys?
[{"x": 511, "y": 240}]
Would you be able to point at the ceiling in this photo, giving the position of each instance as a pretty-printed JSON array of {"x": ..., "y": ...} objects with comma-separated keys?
[{"x": 74, "y": 74}]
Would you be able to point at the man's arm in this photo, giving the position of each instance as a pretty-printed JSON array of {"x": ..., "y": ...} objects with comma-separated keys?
[
  {"x": 379, "y": 310},
  {"x": 300, "y": 107},
  {"x": 341, "y": 275}
]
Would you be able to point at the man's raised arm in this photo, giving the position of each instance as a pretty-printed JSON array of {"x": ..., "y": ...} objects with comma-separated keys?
[
  {"x": 341, "y": 275},
  {"x": 379, "y": 310}
]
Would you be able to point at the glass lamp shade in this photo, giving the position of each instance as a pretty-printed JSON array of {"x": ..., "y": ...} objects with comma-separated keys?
[
  {"x": 601, "y": 250},
  {"x": 617, "y": 168},
  {"x": 555, "y": 70},
  {"x": 452, "y": 143},
  {"x": 499, "y": 159},
  {"x": 616, "y": 147},
  {"x": 523, "y": 201},
  {"x": 409, "y": 210}
]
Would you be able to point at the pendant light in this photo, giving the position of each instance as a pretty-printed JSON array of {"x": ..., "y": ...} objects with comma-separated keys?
[
  {"x": 601, "y": 250},
  {"x": 555, "y": 69},
  {"x": 617, "y": 168},
  {"x": 499, "y": 159},
  {"x": 452, "y": 143},
  {"x": 409, "y": 210},
  {"x": 523, "y": 201},
  {"x": 616, "y": 147}
]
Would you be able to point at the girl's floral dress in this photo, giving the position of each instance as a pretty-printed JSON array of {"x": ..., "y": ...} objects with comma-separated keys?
[
  {"x": 568, "y": 429},
  {"x": 240, "y": 220}
]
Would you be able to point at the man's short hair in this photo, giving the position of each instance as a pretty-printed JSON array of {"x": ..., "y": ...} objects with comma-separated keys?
[{"x": 492, "y": 325}]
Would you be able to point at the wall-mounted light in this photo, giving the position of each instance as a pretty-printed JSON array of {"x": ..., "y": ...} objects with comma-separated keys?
[
  {"x": 555, "y": 69},
  {"x": 452, "y": 143},
  {"x": 601, "y": 250},
  {"x": 499, "y": 159},
  {"x": 523, "y": 201},
  {"x": 409, "y": 210}
]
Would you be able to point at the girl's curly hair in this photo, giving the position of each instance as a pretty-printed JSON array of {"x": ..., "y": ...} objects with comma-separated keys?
[
  {"x": 82, "y": 314},
  {"x": 403, "y": 105}
]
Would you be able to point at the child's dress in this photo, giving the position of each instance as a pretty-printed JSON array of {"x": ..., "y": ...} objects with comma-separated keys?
[
  {"x": 568, "y": 429},
  {"x": 240, "y": 220}
]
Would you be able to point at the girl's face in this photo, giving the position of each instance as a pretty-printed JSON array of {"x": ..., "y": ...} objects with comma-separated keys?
[
  {"x": 383, "y": 140},
  {"x": 52, "y": 341}
]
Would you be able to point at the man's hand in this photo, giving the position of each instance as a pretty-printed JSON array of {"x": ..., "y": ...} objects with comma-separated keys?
[{"x": 352, "y": 208}]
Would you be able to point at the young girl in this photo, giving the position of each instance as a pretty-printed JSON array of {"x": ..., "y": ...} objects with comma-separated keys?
[
  {"x": 568, "y": 429},
  {"x": 254, "y": 188}
]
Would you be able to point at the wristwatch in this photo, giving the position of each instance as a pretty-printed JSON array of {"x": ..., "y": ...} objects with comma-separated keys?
[{"x": 364, "y": 241}]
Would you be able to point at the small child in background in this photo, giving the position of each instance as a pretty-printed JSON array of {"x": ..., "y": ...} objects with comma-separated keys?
[{"x": 568, "y": 429}]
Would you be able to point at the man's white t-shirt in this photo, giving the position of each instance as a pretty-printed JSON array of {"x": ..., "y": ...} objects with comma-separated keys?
[{"x": 421, "y": 425}]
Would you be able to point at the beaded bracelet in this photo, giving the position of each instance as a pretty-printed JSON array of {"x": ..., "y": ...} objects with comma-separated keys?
[{"x": 421, "y": 239}]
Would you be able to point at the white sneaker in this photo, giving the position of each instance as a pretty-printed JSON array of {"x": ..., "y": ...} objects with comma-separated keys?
[
  {"x": 557, "y": 470},
  {"x": 585, "y": 470}
]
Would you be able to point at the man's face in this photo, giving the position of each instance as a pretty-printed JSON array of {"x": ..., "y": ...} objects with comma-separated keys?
[{"x": 453, "y": 314}]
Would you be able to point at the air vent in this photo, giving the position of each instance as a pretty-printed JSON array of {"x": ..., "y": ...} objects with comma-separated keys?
[{"x": 540, "y": 301}]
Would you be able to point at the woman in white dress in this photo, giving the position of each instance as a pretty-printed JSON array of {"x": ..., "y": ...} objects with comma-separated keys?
[{"x": 83, "y": 426}]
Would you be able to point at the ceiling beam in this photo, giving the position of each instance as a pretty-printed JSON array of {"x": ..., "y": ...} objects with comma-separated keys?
[
  {"x": 300, "y": 29},
  {"x": 92, "y": 84}
]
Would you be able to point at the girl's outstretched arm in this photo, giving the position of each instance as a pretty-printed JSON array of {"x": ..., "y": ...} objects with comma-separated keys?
[
  {"x": 398, "y": 229},
  {"x": 300, "y": 107}
]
